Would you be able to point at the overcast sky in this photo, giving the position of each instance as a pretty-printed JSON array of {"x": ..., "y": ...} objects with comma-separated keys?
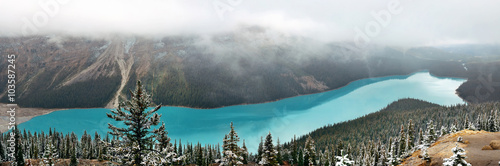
[{"x": 412, "y": 22}]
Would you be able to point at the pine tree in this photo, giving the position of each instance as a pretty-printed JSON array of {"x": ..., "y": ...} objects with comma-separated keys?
[
  {"x": 164, "y": 150},
  {"x": 393, "y": 158},
  {"x": 138, "y": 133},
  {"x": 73, "y": 160},
  {"x": 411, "y": 135},
  {"x": 340, "y": 147},
  {"x": 300, "y": 160},
  {"x": 430, "y": 133},
  {"x": 19, "y": 152},
  {"x": 260, "y": 151},
  {"x": 343, "y": 160},
  {"x": 231, "y": 152},
  {"x": 402, "y": 142},
  {"x": 179, "y": 151},
  {"x": 210, "y": 158},
  {"x": 269, "y": 153},
  {"x": 199, "y": 155},
  {"x": 466, "y": 122},
  {"x": 382, "y": 160},
  {"x": 425, "y": 155},
  {"x": 2, "y": 152},
  {"x": 326, "y": 157},
  {"x": 309, "y": 152},
  {"x": 420, "y": 137},
  {"x": 294, "y": 151},
  {"x": 50, "y": 156},
  {"x": 453, "y": 128},
  {"x": 443, "y": 131},
  {"x": 244, "y": 153},
  {"x": 458, "y": 158},
  {"x": 493, "y": 122},
  {"x": 279, "y": 156}
]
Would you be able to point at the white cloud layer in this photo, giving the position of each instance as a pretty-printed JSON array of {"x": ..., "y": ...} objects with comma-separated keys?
[{"x": 422, "y": 22}]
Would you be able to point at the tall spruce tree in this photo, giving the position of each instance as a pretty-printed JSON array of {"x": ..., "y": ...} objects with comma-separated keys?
[
  {"x": 294, "y": 151},
  {"x": 309, "y": 152},
  {"x": 244, "y": 153},
  {"x": 179, "y": 151},
  {"x": 259, "y": 150},
  {"x": 300, "y": 160},
  {"x": 138, "y": 133},
  {"x": 18, "y": 146},
  {"x": 73, "y": 160},
  {"x": 232, "y": 152},
  {"x": 492, "y": 124},
  {"x": 2, "y": 152},
  {"x": 430, "y": 135},
  {"x": 402, "y": 141},
  {"x": 279, "y": 155},
  {"x": 269, "y": 153},
  {"x": 411, "y": 135},
  {"x": 50, "y": 156}
]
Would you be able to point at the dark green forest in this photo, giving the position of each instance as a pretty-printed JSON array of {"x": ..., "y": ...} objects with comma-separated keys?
[{"x": 385, "y": 137}]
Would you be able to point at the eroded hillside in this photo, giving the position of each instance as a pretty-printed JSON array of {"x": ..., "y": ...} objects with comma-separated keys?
[{"x": 250, "y": 65}]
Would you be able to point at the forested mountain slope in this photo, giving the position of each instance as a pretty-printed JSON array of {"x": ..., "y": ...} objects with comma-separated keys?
[
  {"x": 386, "y": 123},
  {"x": 397, "y": 131},
  {"x": 250, "y": 65}
]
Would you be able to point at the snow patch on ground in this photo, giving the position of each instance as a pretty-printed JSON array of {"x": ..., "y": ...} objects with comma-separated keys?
[
  {"x": 159, "y": 45},
  {"x": 128, "y": 44},
  {"x": 160, "y": 55}
]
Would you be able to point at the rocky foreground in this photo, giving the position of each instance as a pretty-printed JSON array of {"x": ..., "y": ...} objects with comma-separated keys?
[{"x": 481, "y": 148}]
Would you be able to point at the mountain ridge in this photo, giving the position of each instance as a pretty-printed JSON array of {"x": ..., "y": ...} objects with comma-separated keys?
[{"x": 243, "y": 67}]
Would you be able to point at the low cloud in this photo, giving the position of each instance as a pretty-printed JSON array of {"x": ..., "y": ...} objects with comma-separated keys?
[{"x": 423, "y": 22}]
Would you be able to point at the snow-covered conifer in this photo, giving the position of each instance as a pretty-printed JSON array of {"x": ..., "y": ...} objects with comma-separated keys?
[
  {"x": 393, "y": 158},
  {"x": 310, "y": 152},
  {"x": 430, "y": 135},
  {"x": 458, "y": 158},
  {"x": 425, "y": 155},
  {"x": 138, "y": 134},
  {"x": 492, "y": 123},
  {"x": 244, "y": 153},
  {"x": 410, "y": 143},
  {"x": 279, "y": 154},
  {"x": 443, "y": 131},
  {"x": 50, "y": 155},
  {"x": 453, "y": 128},
  {"x": 269, "y": 153},
  {"x": 231, "y": 152},
  {"x": 402, "y": 141},
  {"x": 343, "y": 160}
]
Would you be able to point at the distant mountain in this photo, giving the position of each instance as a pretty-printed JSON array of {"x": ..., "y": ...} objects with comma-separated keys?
[{"x": 250, "y": 65}]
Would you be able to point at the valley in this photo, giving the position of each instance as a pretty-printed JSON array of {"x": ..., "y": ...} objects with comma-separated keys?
[{"x": 248, "y": 66}]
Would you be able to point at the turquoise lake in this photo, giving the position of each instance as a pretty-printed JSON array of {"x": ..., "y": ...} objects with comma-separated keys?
[{"x": 284, "y": 118}]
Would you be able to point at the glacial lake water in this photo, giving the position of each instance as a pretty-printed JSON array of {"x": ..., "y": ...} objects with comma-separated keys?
[{"x": 284, "y": 118}]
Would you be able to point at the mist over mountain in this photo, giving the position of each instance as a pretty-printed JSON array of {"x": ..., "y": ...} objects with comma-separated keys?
[
  {"x": 217, "y": 53},
  {"x": 249, "y": 65},
  {"x": 399, "y": 23}
]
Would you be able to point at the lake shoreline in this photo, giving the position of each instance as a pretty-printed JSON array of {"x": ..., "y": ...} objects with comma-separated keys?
[
  {"x": 30, "y": 113},
  {"x": 208, "y": 125},
  {"x": 201, "y": 108}
]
